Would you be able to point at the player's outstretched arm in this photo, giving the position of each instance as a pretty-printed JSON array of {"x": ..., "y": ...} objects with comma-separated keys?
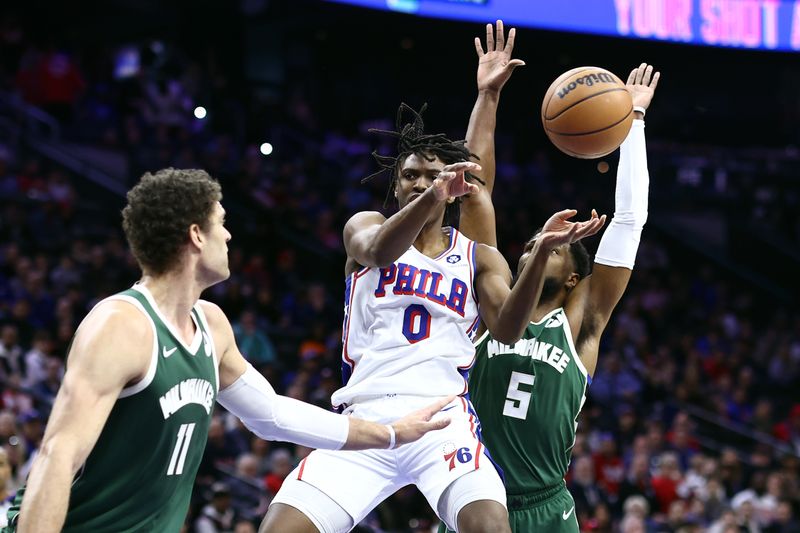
[
  {"x": 104, "y": 358},
  {"x": 616, "y": 253},
  {"x": 506, "y": 311},
  {"x": 374, "y": 241},
  {"x": 249, "y": 396},
  {"x": 494, "y": 69}
]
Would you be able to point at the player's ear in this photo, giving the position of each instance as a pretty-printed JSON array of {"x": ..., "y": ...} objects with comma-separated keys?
[
  {"x": 573, "y": 280},
  {"x": 196, "y": 235}
]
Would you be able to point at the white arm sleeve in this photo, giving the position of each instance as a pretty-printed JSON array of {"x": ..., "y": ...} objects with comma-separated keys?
[
  {"x": 620, "y": 241},
  {"x": 273, "y": 417}
]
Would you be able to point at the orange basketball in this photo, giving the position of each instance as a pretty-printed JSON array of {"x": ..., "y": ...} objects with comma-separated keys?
[{"x": 587, "y": 112}]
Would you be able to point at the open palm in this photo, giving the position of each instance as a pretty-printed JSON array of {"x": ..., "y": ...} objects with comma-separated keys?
[
  {"x": 559, "y": 230},
  {"x": 642, "y": 84},
  {"x": 495, "y": 64}
]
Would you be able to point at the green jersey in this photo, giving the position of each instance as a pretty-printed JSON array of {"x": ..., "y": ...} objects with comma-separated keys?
[
  {"x": 140, "y": 473},
  {"x": 527, "y": 397}
]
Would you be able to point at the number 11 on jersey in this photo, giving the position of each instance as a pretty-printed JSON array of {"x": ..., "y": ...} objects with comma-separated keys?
[
  {"x": 517, "y": 401},
  {"x": 181, "y": 448}
]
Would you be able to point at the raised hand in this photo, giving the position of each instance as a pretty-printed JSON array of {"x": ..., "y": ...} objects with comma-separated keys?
[
  {"x": 413, "y": 426},
  {"x": 495, "y": 64},
  {"x": 558, "y": 230},
  {"x": 450, "y": 182},
  {"x": 642, "y": 84}
]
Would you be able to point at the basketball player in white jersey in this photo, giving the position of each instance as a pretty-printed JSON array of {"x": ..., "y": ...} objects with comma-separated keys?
[{"x": 412, "y": 294}]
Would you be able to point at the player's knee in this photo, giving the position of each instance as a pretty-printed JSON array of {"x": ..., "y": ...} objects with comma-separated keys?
[
  {"x": 283, "y": 518},
  {"x": 483, "y": 516}
]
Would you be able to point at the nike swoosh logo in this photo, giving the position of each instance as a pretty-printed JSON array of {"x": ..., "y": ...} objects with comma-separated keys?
[
  {"x": 448, "y": 408},
  {"x": 166, "y": 353},
  {"x": 567, "y": 514}
]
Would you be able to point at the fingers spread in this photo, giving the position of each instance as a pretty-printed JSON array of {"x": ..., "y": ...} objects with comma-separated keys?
[
  {"x": 512, "y": 34},
  {"x": 648, "y": 72},
  {"x": 654, "y": 83},
  {"x": 640, "y": 72},
  {"x": 500, "y": 41},
  {"x": 479, "y": 47}
]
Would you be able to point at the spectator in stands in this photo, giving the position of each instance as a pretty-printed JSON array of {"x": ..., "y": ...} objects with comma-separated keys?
[
  {"x": 46, "y": 389},
  {"x": 744, "y": 508},
  {"x": 11, "y": 359},
  {"x": 584, "y": 490},
  {"x": 666, "y": 479},
  {"x": 608, "y": 467},
  {"x": 52, "y": 80},
  {"x": 36, "y": 358},
  {"x": 789, "y": 430},
  {"x": 7, "y": 491},
  {"x": 253, "y": 342},
  {"x": 615, "y": 383},
  {"x": 638, "y": 482},
  {"x": 31, "y": 431},
  {"x": 217, "y": 516},
  {"x": 247, "y": 489},
  {"x": 280, "y": 466},
  {"x": 784, "y": 520},
  {"x": 220, "y": 450}
]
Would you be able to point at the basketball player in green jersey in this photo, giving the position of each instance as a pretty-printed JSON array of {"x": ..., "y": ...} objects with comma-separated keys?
[
  {"x": 128, "y": 427},
  {"x": 528, "y": 395}
]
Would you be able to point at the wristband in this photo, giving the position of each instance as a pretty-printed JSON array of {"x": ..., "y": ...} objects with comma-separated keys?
[
  {"x": 392, "y": 436},
  {"x": 640, "y": 109}
]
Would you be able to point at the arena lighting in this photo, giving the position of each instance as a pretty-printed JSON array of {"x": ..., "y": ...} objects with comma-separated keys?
[
  {"x": 200, "y": 112},
  {"x": 752, "y": 24},
  {"x": 266, "y": 148}
]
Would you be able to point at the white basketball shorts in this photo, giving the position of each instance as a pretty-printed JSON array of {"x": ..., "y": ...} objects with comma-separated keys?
[{"x": 359, "y": 480}]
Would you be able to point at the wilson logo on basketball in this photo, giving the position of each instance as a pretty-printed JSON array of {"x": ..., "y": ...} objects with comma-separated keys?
[{"x": 588, "y": 80}]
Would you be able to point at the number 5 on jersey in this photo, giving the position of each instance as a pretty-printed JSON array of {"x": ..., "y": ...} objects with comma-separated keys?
[
  {"x": 175, "y": 467},
  {"x": 517, "y": 401}
]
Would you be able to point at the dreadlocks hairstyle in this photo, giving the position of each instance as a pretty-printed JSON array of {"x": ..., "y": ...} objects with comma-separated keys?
[{"x": 412, "y": 139}]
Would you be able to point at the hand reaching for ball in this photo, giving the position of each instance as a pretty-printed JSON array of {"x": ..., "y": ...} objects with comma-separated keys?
[
  {"x": 642, "y": 84},
  {"x": 560, "y": 230}
]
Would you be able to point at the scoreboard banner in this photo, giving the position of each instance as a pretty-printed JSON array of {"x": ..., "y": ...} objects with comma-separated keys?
[{"x": 751, "y": 24}]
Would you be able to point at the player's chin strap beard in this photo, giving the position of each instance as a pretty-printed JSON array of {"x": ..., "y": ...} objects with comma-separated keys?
[{"x": 550, "y": 289}]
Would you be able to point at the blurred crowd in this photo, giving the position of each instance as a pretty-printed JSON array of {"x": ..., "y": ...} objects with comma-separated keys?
[{"x": 692, "y": 422}]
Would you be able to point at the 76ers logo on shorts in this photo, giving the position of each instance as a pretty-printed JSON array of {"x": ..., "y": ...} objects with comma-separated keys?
[{"x": 453, "y": 454}]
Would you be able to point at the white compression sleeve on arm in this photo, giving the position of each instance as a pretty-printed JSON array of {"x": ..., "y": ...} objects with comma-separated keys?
[
  {"x": 620, "y": 241},
  {"x": 273, "y": 417}
]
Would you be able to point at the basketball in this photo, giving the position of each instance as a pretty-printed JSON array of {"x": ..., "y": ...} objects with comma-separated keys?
[{"x": 587, "y": 112}]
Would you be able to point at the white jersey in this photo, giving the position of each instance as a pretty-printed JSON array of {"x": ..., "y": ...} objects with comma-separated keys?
[{"x": 408, "y": 328}]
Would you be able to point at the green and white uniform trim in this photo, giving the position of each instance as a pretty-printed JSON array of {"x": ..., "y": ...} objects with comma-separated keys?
[{"x": 140, "y": 473}]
